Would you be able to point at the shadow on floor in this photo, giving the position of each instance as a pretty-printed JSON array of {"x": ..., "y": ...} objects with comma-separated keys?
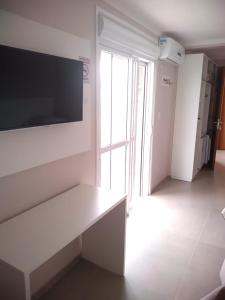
[{"x": 89, "y": 282}]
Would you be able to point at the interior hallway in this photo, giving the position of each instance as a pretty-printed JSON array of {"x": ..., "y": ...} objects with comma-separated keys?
[{"x": 175, "y": 246}]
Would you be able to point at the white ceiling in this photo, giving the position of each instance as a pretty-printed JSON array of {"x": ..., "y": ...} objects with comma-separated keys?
[{"x": 194, "y": 23}]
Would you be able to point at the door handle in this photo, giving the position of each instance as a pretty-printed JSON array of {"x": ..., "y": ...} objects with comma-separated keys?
[{"x": 218, "y": 124}]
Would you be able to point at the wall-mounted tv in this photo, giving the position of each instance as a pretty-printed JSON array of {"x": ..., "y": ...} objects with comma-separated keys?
[{"x": 38, "y": 89}]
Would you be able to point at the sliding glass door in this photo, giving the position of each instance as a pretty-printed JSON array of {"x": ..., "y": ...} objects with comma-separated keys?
[
  {"x": 114, "y": 72},
  {"x": 122, "y": 110}
]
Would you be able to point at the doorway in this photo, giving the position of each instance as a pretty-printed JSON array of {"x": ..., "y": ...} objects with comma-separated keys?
[
  {"x": 221, "y": 118},
  {"x": 218, "y": 117},
  {"x": 124, "y": 123}
]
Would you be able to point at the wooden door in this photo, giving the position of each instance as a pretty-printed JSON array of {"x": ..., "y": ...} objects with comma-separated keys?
[
  {"x": 221, "y": 125},
  {"x": 218, "y": 109}
]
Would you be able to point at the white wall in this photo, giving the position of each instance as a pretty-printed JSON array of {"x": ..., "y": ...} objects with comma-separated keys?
[
  {"x": 25, "y": 189},
  {"x": 31, "y": 147},
  {"x": 164, "y": 112}
]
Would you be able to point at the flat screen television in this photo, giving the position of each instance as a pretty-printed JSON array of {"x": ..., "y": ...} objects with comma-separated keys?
[{"x": 38, "y": 89}]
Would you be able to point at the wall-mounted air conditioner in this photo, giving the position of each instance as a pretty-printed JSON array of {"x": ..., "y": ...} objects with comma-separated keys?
[{"x": 171, "y": 51}]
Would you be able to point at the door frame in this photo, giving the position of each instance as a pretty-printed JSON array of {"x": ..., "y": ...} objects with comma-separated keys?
[
  {"x": 216, "y": 131},
  {"x": 221, "y": 111}
]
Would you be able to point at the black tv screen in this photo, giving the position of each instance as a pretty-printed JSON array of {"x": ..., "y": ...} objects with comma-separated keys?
[{"x": 38, "y": 89}]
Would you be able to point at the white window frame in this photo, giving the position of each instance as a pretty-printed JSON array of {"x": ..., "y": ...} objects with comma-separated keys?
[{"x": 115, "y": 48}]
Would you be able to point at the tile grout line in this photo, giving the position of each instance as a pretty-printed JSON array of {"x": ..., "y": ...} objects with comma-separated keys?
[{"x": 181, "y": 281}]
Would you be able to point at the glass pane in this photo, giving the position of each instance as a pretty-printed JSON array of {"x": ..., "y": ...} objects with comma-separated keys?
[
  {"x": 141, "y": 83},
  {"x": 139, "y": 129},
  {"x": 105, "y": 170},
  {"x": 105, "y": 94},
  {"x": 128, "y": 166},
  {"x": 129, "y": 102},
  {"x": 119, "y": 98},
  {"x": 118, "y": 169}
]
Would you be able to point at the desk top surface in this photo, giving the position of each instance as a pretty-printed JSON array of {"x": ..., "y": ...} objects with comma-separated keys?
[{"x": 31, "y": 238}]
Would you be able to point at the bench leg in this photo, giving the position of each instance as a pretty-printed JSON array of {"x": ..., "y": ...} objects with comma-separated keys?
[
  {"x": 104, "y": 243},
  {"x": 27, "y": 286}
]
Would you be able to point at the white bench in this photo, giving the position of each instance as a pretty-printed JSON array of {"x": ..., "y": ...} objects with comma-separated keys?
[{"x": 30, "y": 239}]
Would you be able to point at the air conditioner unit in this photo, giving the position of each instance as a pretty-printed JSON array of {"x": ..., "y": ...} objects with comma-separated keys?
[{"x": 171, "y": 51}]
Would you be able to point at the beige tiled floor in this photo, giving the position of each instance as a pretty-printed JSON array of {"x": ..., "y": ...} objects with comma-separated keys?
[{"x": 175, "y": 246}]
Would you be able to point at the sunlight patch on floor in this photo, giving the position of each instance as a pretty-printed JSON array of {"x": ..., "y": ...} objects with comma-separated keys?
[{"x": 148, "y": 219}]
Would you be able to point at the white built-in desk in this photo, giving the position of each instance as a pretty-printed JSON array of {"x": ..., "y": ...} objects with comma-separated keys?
[{"x": 28, "y": 240}]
